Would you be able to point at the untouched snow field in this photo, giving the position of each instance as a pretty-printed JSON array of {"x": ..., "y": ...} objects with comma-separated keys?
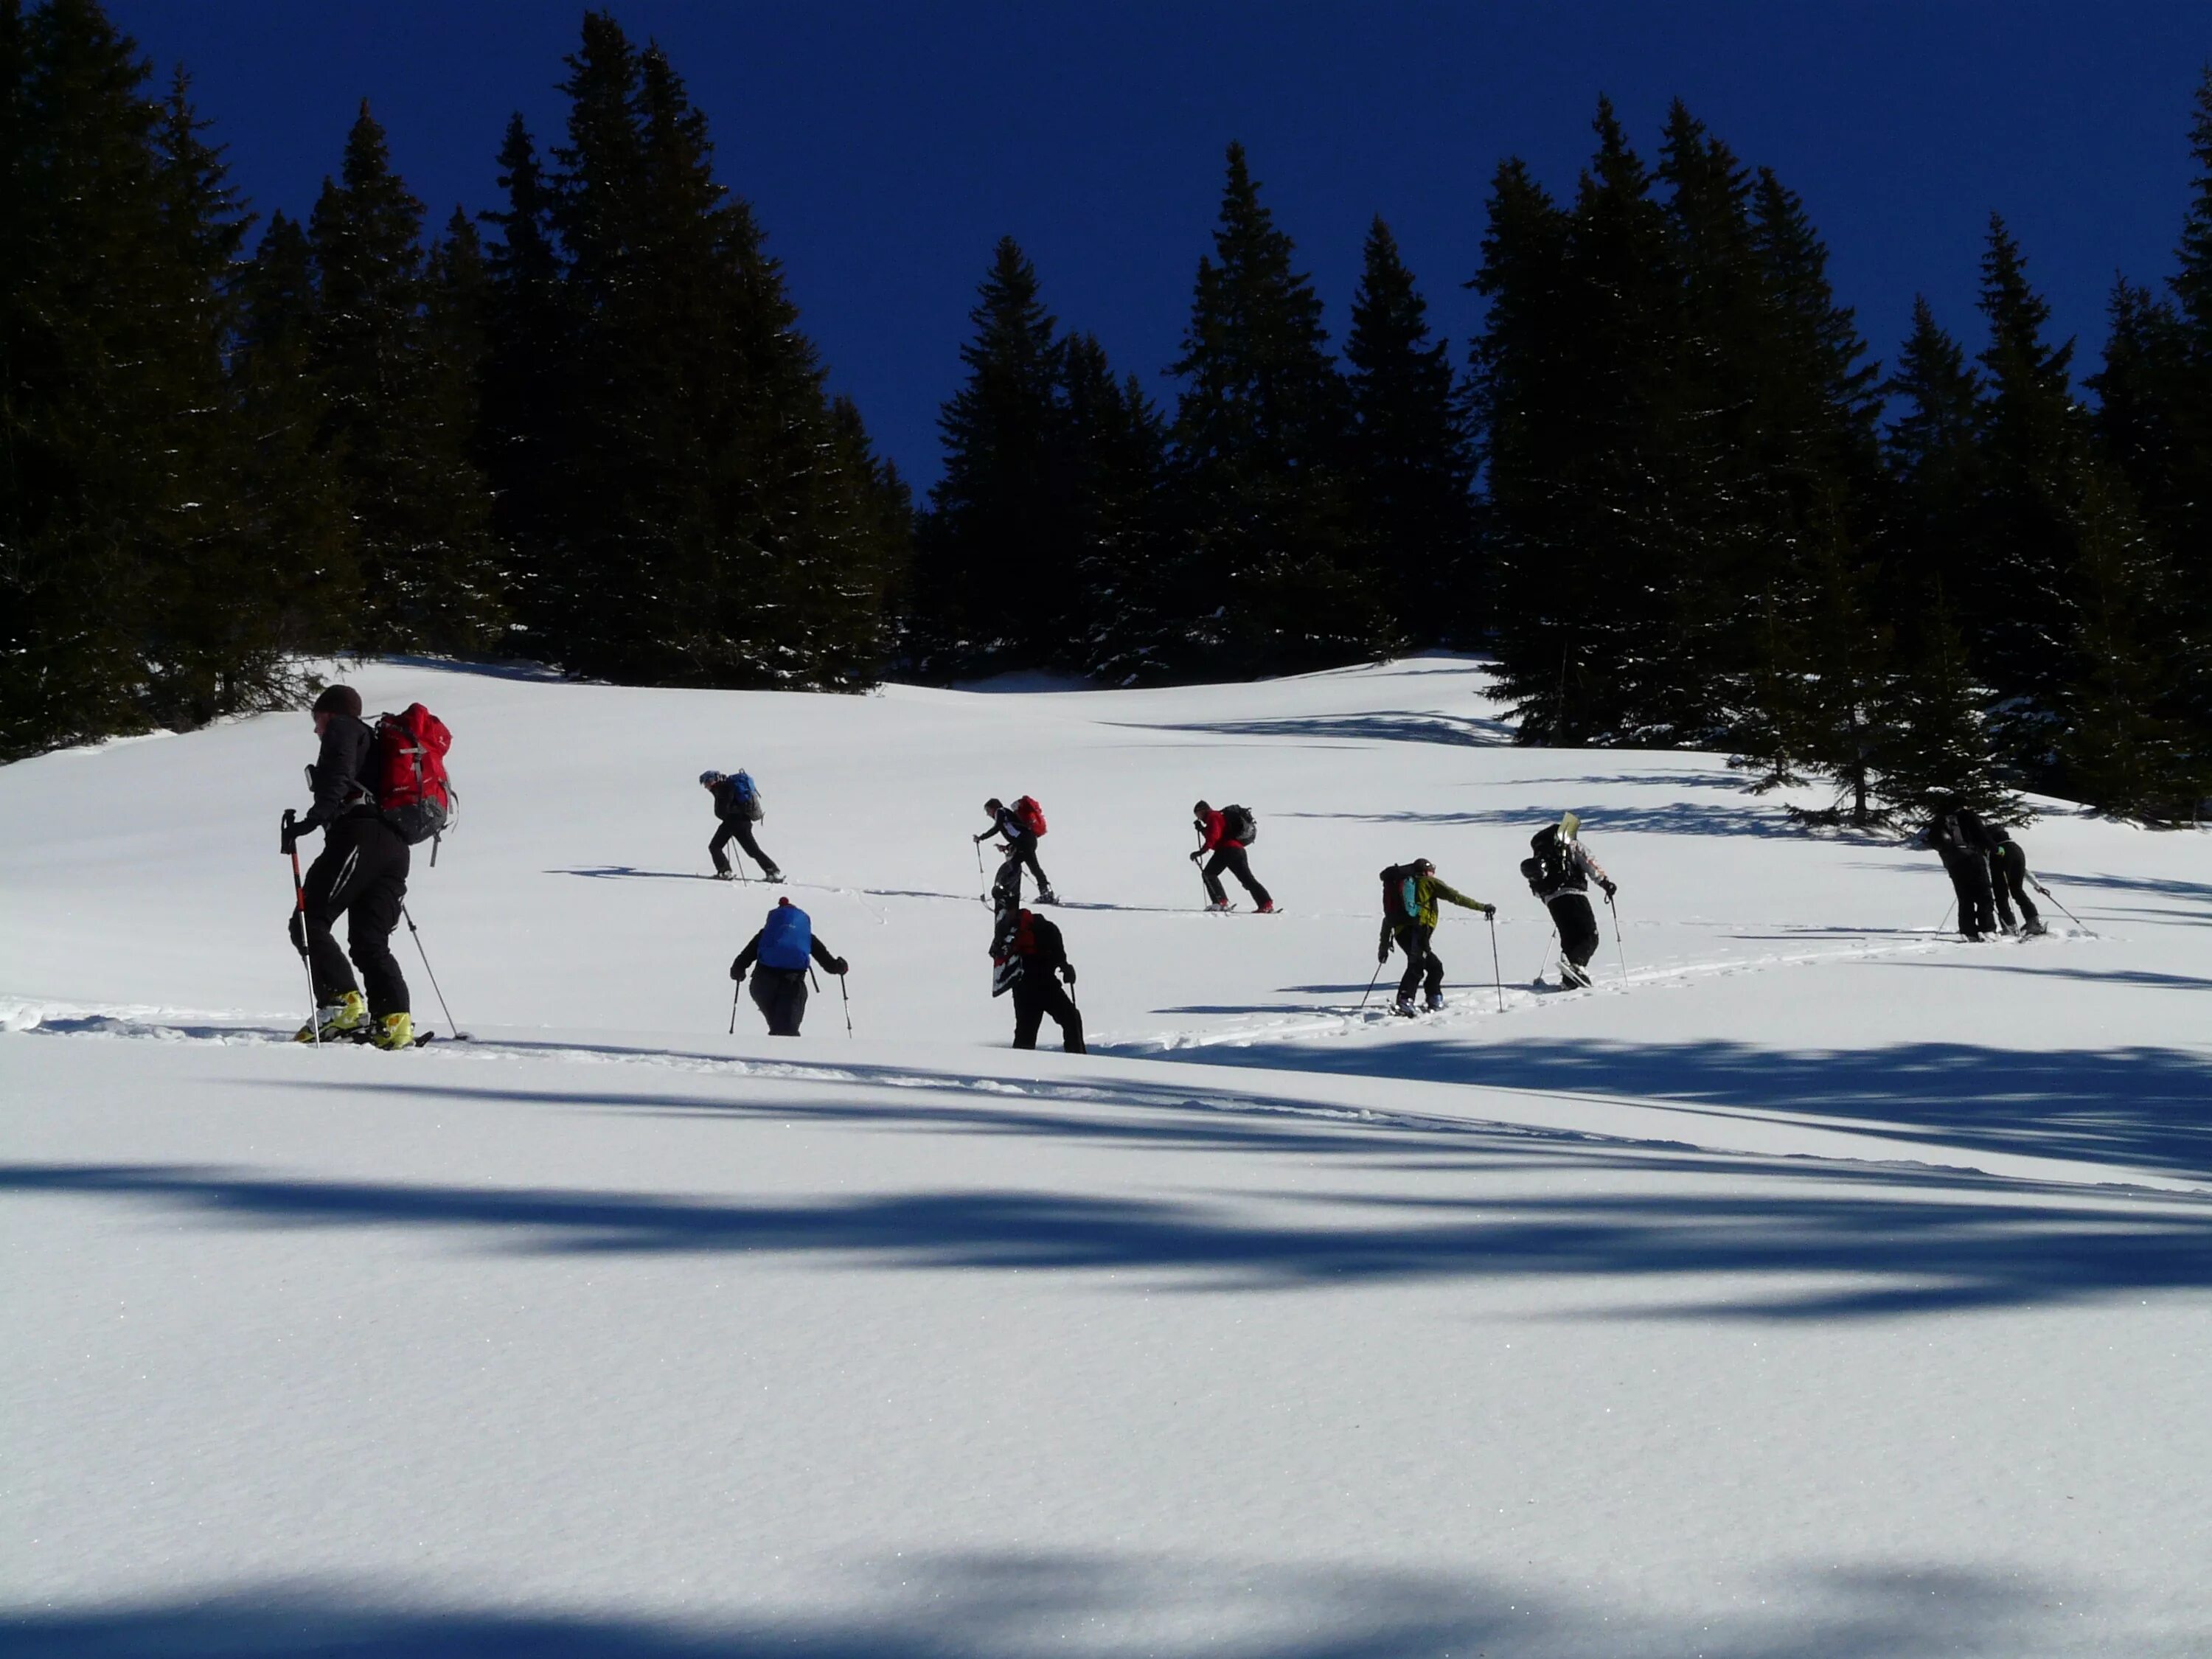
[{"x": 1828, "y": 1287}]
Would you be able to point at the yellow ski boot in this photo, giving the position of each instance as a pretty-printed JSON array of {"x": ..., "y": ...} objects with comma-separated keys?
[
  {"x": 395, "y": 1031},
  {"x": 335, "y": 1019}
]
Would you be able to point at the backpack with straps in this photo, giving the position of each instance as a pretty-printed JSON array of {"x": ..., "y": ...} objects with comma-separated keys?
[
  {"x": 413, "y": 793},
  {"x": 786, "y": 939},
  {"x": 1030, "y": 814},
  {"x": 1238, "y": 824},
  {"x": 1400, "y": 900},
  {"x": 1555, "y": 871},
  {"x": 746, "y": 794}
]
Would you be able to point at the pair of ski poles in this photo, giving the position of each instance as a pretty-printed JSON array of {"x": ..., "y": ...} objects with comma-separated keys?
[
  {"x": 1497, "y": 973},
  {"x": 737, "y": 989},
  {"x": 291, "y": 845}
]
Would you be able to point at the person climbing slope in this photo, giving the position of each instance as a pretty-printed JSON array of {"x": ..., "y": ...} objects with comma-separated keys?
[
  {"x": 1560, "y": 874},
  {"x": 1963, "y": 842},
  {"x": 782, "y": 948},
  {"x": 1226, "y": 835},
  {"x": 1020, "y": 824},
  {"x": 1029, "y": 957},
  {"x": 739, "y": 805},
  {"x": 2008, "y": 882},
  {"x": 1410, "y": 892}
]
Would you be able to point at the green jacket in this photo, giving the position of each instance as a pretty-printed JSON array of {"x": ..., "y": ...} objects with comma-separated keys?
[{"x": 1427, "y": 890}]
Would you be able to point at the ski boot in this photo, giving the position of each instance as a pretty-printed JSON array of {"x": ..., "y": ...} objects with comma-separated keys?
[
  {"x": 394, "y": 1031},
  {"x": 1404, "y": 1006},
  {"x": 725, "y": 875},
  {"x": 1435, "y": 1002},
  {"x": 1267, "y": 909},
  {"x": 2034, "y": 929},
  {"x": 1574, "y": 978},
  {"x": 1046, "y": 896},
  {"x": 775, "y": 876},
  {"x": 1217, "y": 907},
  {"x": 335, "y": 1019}
]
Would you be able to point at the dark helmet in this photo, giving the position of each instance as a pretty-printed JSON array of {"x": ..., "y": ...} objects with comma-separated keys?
[
  {"x": 994, "y": 804},
  {"x": 710, "y": 778},
  {"x": 1201, "y": 809},
  {"x": 339, "y": 700},
  {"x": 1425, "y": 866}
]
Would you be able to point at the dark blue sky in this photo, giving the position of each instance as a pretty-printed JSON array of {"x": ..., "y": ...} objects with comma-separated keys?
[{"x": 887, "y": 147}]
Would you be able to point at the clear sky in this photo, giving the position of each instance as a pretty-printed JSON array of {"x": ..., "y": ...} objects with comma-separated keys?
[{"x": 886, "y": 147}]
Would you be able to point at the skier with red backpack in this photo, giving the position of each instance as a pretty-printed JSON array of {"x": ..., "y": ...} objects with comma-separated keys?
[
  {"x": 1226, "y": 835},
  {"x": 1410, "y": 892},
  {"x": 1029, "y": 957},
  {"x": 1019, "y": 825},
  {"x": 378, "y": 792},
  {"x": 778, "y": 955}
]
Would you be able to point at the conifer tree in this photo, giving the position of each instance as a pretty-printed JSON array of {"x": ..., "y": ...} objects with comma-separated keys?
[
  {"x": 1937, "y": 745},
  {"x": 1933, "y": 449},
  {"x": 996, "y": 574},
  {"x": 1112, "y": 453},
  {"x": 400, "y": 433},
  {"x": 1265, "y": 582},
  {"x": 1411, "y": 466}
]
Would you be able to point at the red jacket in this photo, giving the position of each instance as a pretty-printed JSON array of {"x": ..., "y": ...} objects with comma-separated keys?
[{"x": 1214, "y": 826}]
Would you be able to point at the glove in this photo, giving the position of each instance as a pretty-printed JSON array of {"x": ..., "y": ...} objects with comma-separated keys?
[
  {"x": 1489, "y": 910},
  {"x": 288, "y": 836},
  {"x": 837, "y": 967},
  {"x": 1610, "y": 889},
  {"x": 1383, "y": 953},
  {"x": 1067, "y": 972},
  {"x": 737, "y": 966},
  {"x": 1198, "y": 854}
]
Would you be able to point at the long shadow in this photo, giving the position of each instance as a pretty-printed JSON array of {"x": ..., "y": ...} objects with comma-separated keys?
[
  {"x": 2142, "y": 1108},
  {"x": 1677, "y": 818},
  {"x": 1392, "y": 725},
  {"x": 2142, "y": 977},
  {"x": 607, "y": 871},
  {"x": 1013, "y": 1606}
]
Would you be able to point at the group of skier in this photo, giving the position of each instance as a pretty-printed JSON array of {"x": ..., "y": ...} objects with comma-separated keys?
[{"x": 377, "y": 791}]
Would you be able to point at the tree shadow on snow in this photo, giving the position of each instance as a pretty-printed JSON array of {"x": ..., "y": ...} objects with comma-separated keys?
[
  {"x": 1791, "y": 1237},
  {"x": 1676, "y": 818},
  {"x": 1392, "y": 726},
  {"x": 607, "y": 871},
  {"x": 1011, "y": 1606}
]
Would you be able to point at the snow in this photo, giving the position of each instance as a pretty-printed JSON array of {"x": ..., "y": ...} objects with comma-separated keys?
[{"x": 1826, "y": 1286}]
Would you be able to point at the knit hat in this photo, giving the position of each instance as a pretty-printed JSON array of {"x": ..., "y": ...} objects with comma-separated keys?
[{"x": 339, "y": 700}]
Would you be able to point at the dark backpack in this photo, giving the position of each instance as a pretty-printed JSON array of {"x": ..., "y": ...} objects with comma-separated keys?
[
  {"x": 1238, "y": 824},
  {"x": 1399, "y": 900},
  {"x": 408, "y": 764},
  {"x": 786, "y": 939},
  {"x": 1554, "y": 869},
  {"x": 746, "y": 795}
]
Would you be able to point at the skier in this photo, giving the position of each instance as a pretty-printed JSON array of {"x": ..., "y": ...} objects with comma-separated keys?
[
  {"x": 2008, "y": 880},
  {"x": 1410, "y": 892},
  {"x": 1226, "y": 835},
  {"x": 1027, "y": 952},
  {"x": 361, "y": 874},
  {"x": 782, "y": 949},
  {"x": 1560, "y": 874},
  {"x": 1962, "y": 840},
  {"x": 737, "y": 804},
  {"x": 1020, "y": 848}
]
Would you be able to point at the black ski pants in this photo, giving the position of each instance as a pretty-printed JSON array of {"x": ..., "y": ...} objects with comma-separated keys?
[
  {"x": 1577, "y": 924},
  {"x": 1037, "y": 994},
  {"x": 741, "y": 831},
  {"x": 1970, "y": 878},
  {"x": 2008, "y": 882},
  {"x": 1422, "y": 962},
  {"x": 781, "y": 995},
  {"x": 361, "y": 874},
  {"x": 1019, "y": 853},
  {"x": 1232, "y": 858}
]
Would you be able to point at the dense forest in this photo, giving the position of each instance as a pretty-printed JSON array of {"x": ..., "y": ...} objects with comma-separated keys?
[{"x": 1668, "y": 486}]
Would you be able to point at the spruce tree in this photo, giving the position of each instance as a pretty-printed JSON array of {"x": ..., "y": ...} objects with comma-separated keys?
[
  {"x": 996, "y": 577},
  {"x": 1932, "y": 446},
  {"x": 1410, "y": 464},
  {"x": 1936, "y": 744},
  {"x": 1112, "y": 449},
  {"x": 399, "y": 429},
  {"x": 1266, "y": 582}
]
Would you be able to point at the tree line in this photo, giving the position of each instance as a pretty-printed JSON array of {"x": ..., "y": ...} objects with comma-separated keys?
[{"x": 1665, "y": 484}]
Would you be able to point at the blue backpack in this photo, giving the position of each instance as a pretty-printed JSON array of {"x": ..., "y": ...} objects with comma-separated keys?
[
  {"x": 786, "y": 939},
  {"x": 747, "y": 794}
]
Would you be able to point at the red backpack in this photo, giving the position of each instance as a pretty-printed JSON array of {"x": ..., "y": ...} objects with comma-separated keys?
[
  {"x": 412, "y": 790},
  {"x": 1030, "y": 814}
]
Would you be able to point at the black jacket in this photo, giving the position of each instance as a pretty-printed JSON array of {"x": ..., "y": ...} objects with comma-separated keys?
[
  {"x": 341, "y": 775},
  {"x": 1961, "y": 828},
  {"x": 1048, "y": 950}
]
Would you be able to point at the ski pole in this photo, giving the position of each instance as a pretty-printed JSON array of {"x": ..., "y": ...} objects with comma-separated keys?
[
  {"x": 847, "y": 997},
  {"x": 982, "y": 898},
  {"x": 1497, "y": 973},
  {"x": 733, "y": 1006},
  {"x": 1618, "y": 948},
  {"x": 451, "y": 1024},
  {"x": 2053, "y": 898},
  {"x": 1944, "y": 925},
  {"x": 1371, "y": 985},
  {"x": 299, "y": 922}
]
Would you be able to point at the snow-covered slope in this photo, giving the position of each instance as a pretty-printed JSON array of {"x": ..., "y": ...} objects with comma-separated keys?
[{"x": 1818, "y": 1284}]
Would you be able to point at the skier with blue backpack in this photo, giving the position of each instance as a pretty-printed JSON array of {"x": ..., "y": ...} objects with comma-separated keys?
[
  {"x": 778, "y": 955},
  {"x": 1410, "y": 893},
  {"x": 737, "y": 804}
]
